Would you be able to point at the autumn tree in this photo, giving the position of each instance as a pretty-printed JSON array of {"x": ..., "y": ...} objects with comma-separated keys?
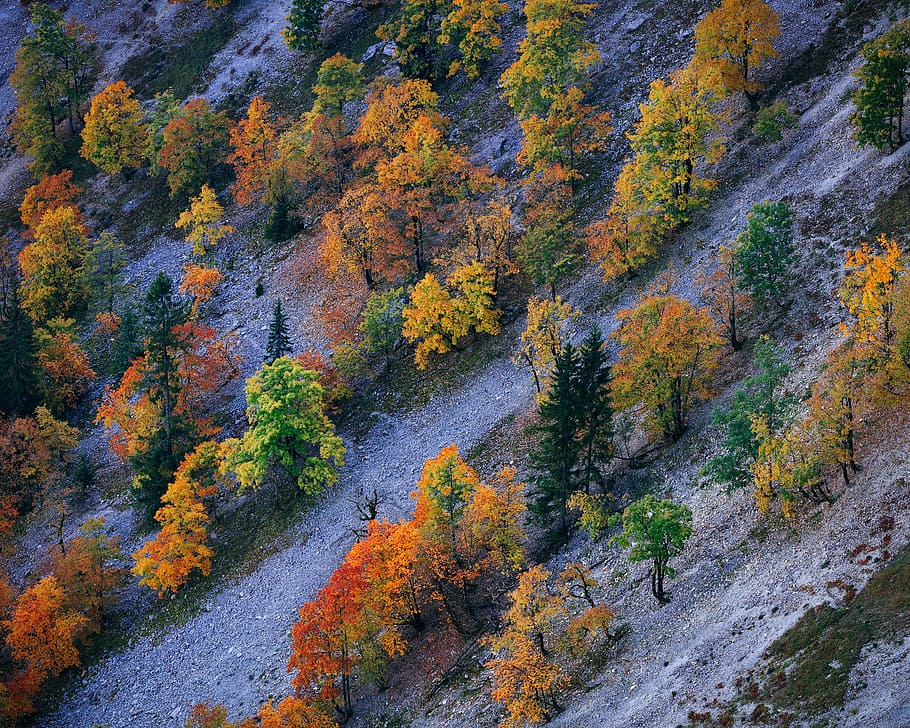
[
  {"x": 543, "y": 337},
  {"x": 199, "y": 283},
  {"x": 392, "y": 110},
  {"x": 254, "y": 142},
  {"x": 54, "y": 279},
  {"x": 880, "y": 98},
  {"x": 288, "y": 429},
  {"x": 51, "y": 192},
  {"x": 203, "y": 221},
  {"x": 735, "y": 39},
  {"x": 473, "y": 26},
  {"x": 302, "y": 30},
  {"x": 67, "y": 372},
  {"x": 194, "y": 144},
  {"x": 181, "y": 546},
  {"x": 18, "y": 361},
  {"x": 415, "y": 32},
  {"x": 527, "y": 679},
  {"x": 657, "y": 531},
  {"x": 666, "y": 361},
  {"x": 724, "y": 296},
  {"x": 488, "y": 236},
  {"x": 114, "y": 135},
  {"x": 764, "y": 251},
  {"x": 279, "y": 341},
  {"x": 54, "y": 72},
  {"x": 552, "y": 56},
  {"x": 438, "y": 318}
]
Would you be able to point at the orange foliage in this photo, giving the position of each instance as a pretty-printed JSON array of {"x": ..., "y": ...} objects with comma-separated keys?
[
  {"x": 200, "y": 282},
  {"x": 50, "y": 193},
  {"x": 254, "y": 140}
]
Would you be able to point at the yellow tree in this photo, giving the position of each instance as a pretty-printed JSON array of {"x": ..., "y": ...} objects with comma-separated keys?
[
  {"x": 392, "y": 109},
  {"x": 473, "y": 25},
  {"x": 487, "y": 236},
  {"x": 543, "y": 337},
  {"x": 254, "y": 141},
  {"x": 666, "y": 363},
  {"x": 200, "y": 282},
  {"x": 203, "y": 220},
  {"x": 735, "y": 39},
  {"x": 115, "y": 135},
  {"x": 724, "y": 296}
]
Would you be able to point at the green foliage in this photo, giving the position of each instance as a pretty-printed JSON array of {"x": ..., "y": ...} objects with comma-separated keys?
[
  {"x": 656, "y": 531},
  {"x": 165, "y": 107},
  {"x": 302, "y": 30},
  {"x": 415, "y": 32},
  {"x": 127, "y": 344},
  {"x": 104, "y": 265},
  {"x": 596, "y": 517},
  {"x": 762, "y": 395},
  {"x": 338, "y": 82},
  {"x": 771, "y": 122},
  {"x": 279, "y": 342},
  {"x": 382, "y": 321},
  {"x": 880, "y": 98},
  {"x": 765, "y": 250},
  {"x": 594, "y": 407},
  {"x": 18, "y": 363},
  {"x": 288, "y": 429}
]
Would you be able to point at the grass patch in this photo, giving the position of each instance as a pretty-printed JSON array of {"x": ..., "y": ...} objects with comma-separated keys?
[
  {"x": 818, "y": 653},
  {"x": 892, "y": 213}
]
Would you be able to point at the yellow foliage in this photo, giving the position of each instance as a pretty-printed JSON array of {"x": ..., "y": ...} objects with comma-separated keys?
[
  {"x": 115, "y": 135},
  {"x": 203, "y": 218},
  {"x": 543, "y": 336}
]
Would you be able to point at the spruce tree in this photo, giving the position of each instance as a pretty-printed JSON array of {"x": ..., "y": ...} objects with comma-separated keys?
[
  {"x": 127, "y": 345},
  {"x": 18, "y": 366},
  {"x": 302, "y": 31},
  {"x": 558, "y": 451},
  {"x": 594, "y": 407},
  {"x": 279, "y": 343}
]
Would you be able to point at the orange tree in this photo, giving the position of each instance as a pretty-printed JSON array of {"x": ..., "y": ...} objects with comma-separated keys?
[{"x": 194, "y": 144}]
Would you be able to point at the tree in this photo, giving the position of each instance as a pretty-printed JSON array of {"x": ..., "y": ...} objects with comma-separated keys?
[
  {"x": 543, "y": 337},
  {"x": 18, "y": 363},
  {"x": 164, "y": 108},
  {"x": 473, "y": 25},
  {"x": 764, "y": 250},
  {"x": 254, "y": 141},
  {"x": 526, "y": 678},
  {"x": 724, "y": 297},
  {"x": 302, "y": 30},
  {"x": 656, "y": 530},
  {"x": 880, "y": 98},
  {"x": 288, "y": 428},
  {"x": 556, "y": 457},
  {"x": 549, "y": 246},
  {"x": 194, "y": 144},
  {"x": 54, "y": 73},
  {"x": 114, "y": 135},
  {"x": 67, "y": 371},
  {"x": 339, "y": 81},
  {"x": 51, "y": 192},
  {"x": 199, "y": 283},
  {"x": 104, "y": 265},
  {"x": 488, "y": 235},
  {"x": 437, "y": 320},
  {"x": 551, "y": 58},
  {"x": 760, "y": 395},
  {"x": 392, "y": 109},
  {"x": 735, "y": 39},
  {"x": 181, "y": 546},
  {"x": 54, "y": 279},
  {"x": 382, "y": 323},
  {"x": 203, "y": 219},
  {"x": 594, "y": 408},
  {"x": 42, "y": 633},
  {"x": 279, "y": 342},
  {"x": 667, "y": 358},
  {"x": 415, "y": 32}
]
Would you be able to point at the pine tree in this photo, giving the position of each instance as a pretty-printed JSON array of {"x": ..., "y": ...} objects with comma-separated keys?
[
  {"x": 302, "y": 31},
  {"x": 594, "y": 406},
  {"x": 279, "y": 343},
  {"x": 128, "y": 345},
  {"x": 18, "y": 365},
  {"x": 558, "y": 452}
]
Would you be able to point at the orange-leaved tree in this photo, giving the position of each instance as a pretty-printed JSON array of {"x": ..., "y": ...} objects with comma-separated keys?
[
  {"x": 254, "y": 141},
  {"x": 194, "y": 144},
  {"x": 51, "y": 192}
]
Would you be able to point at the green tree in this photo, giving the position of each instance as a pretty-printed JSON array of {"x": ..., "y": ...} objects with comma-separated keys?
[
  {"x": 127, "y": 344},
  {"x": 279, "y": 342},
  {"x": 879, "y": 115},
  {"x": 288, "y": 429},
  {"x": 761, "y": 395},
  {"x": 764, "y": 250},
  {"x": 165, "y": 107},
  {"x": 104, "y": 265},
  {"x": 338, "y": 82},
  {"x": 657, "y": 530},
  {"x": 382, "y": 322},
  {"x": 18, "y": 363},
  {"x": 302, "y": 31},
  {"x": 594, "y": 408},
  {"x": 415, "y": 31},
  {"x": 558, "y": 451},
  {"x": 195, "y": 144}
]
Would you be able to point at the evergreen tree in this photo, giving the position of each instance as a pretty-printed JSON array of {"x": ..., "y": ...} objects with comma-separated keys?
[
  {"x": 128, "y": 344},
  {"x": 302, "y": 31},
  {"x": 279, "y": 343},
  {"x": 18, "y": 366},
  {"x": 594, "y": 406},
  {"x": 765, "y": 250},
  {"x": 761, "y": 395},
  {"x": 558, "y": 452}
]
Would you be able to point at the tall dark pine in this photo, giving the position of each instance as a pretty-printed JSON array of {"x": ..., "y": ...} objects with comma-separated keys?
[
  {"x": 279, "y": 343},
  {"x": 166, "y": 445},
  {"x": 18, "y": 366},
  {"x": 127, "y": 345},
  {"x": 558, "y": 451},
  {"x": 594, "y": 407}
]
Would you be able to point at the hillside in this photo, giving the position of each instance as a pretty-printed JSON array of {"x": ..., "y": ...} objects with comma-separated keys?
[{"x": 747, "y": 586}]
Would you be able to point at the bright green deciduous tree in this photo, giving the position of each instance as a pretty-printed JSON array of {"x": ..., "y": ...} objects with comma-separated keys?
[{"x": 764, "y": 250}]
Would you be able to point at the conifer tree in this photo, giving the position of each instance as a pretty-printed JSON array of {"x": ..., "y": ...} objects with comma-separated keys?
[
  {"x": 557, "y": 455},
  {"x": 416, "y": 35},
  {"x": 594, "y": 406},
  {"x": 279, "y": 343},
  {"x": 18, "y": 365},
  {"x": 128, "y": 343}
]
